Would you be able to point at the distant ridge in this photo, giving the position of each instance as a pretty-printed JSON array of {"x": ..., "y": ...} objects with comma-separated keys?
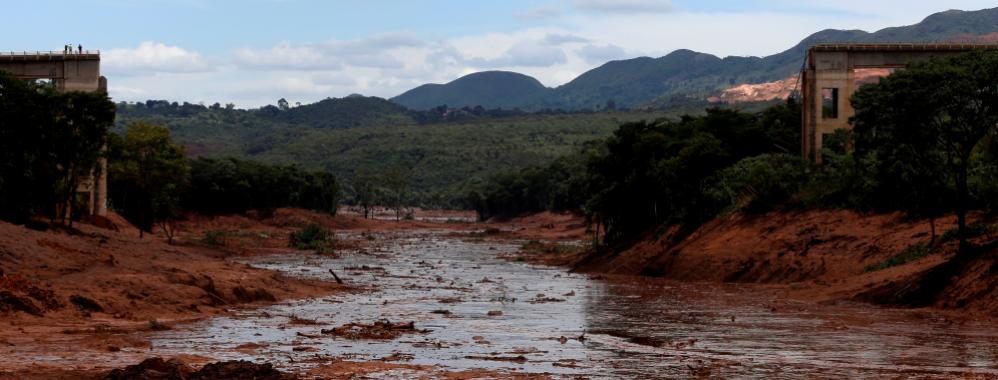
[
  {"x": 642, "y": 81},
  {"x": 496, "y": 89}
]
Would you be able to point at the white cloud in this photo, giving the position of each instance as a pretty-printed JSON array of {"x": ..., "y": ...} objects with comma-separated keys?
[
  {"x": 542, "y": 12},
  {"x": 334, "y": 79},
  {"x": 330, "y": 55},
  {"x": 600, "y": 54},
  {"x": 564, "y": 38},
  {"x": 287, "y": 56},
  {"x": 523, "y": 54},
  {"x": 153, "y": 57},
  {"x": 625, "y": 6}
]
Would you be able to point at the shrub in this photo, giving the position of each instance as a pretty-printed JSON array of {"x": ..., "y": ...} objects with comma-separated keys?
[
  {"x": 215, "y": 237},
  {"x": 313, "y": 237},
  {"x": 759, "y": 183},
  {"x": 973, "y": 231},
  {"x": 914, "y": 252}
]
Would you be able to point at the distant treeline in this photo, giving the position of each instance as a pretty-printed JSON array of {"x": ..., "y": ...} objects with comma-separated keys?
[
  {"x": 932, "y": 151},
  {"x": 309, "y": 113},
  {"x": 151, "y": 181}
]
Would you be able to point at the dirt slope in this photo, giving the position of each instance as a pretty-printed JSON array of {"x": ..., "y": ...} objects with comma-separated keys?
[
  {"x": 820, "y": 254},
  {"x": 67, "y": 285}
]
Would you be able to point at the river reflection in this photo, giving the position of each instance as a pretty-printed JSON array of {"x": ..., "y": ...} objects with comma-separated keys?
[{"x": 629, "y": 328}]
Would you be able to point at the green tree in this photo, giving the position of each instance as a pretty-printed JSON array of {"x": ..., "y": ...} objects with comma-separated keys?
[
  {"x": 148, "y": 176},
  {"x": 924, "y": 124},
  {"x": 50, "y": 141},
  {"x": 365, "y": 190},
  {"x": 396, "y": 184}
]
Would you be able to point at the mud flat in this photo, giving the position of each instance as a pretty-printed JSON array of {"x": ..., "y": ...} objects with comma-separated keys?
[{"x": 474, "y": 311}]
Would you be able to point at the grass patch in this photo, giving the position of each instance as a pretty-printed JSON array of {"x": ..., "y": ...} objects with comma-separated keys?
[
  {"x": 313, "y": 237},
  {"x": 973, "y": 231},
  {"x": 913, "y": 252},
  {"x": 215, "y": 237}
]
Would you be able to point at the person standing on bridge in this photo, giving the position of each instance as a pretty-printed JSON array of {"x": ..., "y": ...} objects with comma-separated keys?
[{"x": 80, "y": 47}]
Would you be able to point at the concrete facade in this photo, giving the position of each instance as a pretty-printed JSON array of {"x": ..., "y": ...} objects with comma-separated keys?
[
  {"x": 76, "y": 71},
  {"x": 829, "y": 81}
]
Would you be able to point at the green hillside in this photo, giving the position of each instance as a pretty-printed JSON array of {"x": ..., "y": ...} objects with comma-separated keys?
[{"x": 441, "y": 157}]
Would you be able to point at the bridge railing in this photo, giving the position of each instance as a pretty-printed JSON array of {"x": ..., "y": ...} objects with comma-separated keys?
[{"x": 48, "y": 53}]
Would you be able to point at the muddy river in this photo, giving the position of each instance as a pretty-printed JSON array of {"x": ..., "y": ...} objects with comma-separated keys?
[{"x": 475, "y": 310}]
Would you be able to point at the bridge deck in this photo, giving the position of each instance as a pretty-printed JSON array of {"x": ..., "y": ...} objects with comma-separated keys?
[
  {"x": 35, "y": 56},
  {"x": 900, "y": 47}
]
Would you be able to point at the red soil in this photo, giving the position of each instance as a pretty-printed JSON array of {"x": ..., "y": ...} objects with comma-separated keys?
[
  {"x": 822, "y": 255},
  {"x": 123, "y": 285}
]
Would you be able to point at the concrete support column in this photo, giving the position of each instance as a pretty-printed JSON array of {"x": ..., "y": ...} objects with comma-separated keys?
[{"x": 100, "y": 190}]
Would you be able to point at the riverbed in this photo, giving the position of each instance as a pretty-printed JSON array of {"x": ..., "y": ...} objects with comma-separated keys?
[{"x": 472, "y": 309}]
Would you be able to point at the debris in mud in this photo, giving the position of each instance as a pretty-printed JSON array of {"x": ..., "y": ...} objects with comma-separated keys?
[
  {"x": 337, "y": 278},
  {"x": 246, "y": 296},
  {"x": 96, "y": 329},
  {"x": 566, "y": 363},
  {"x": 644, "y": 340},
  {"x": 398, "y": 357},
  {"x": 152, "y": 368},
  {"x": 155, "y": 325},
  {"x": 699, "y": 370},
  {"x": 294, "y": 320},
  {"x": 366, "y": 268},
  {"x": 240, "y": 370},
  {"x": 160, "y": 369},
  {"x": 442, "y": 312},
  {"x": 514, "y": 359},
  {"x": 12, "y": 302},
  {"x": 541, "y": 298},
  {"x": 379, "y": 330},
  {"x": 250, "y": 347},
  {"x": 310, "y": 336},
  {"x": 85, "y": 304},
  {"x": 494, "y": 313},
  {"x": 450, "y": 300}
]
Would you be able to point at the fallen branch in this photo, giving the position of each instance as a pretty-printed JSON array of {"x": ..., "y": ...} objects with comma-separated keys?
[{"x": 338, "y": 281}]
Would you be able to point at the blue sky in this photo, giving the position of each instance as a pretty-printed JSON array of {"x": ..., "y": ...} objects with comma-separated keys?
[{"x": 252, "y": 52}]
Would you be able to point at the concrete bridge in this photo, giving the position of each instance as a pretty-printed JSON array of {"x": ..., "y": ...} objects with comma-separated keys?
[
  {"x": 830, "y": 79},
  {"x": 68, "y": 71}
]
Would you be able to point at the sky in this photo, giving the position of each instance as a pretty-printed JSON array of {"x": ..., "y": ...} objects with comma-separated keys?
[{"x": 253, "y": 52}]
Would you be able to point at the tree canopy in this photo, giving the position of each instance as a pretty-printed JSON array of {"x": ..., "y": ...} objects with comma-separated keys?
[
  {"x": 924, "y": 126},
  {"x": 50, "y": 142}
]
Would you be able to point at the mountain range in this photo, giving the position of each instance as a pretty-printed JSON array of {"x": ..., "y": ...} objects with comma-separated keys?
[{"x": 644, "y": 81}]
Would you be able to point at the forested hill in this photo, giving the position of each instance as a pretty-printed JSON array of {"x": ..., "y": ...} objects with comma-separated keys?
[
  {"x": 639, "y": 81},
  {"x": 493, "y": 89},
  {"x": 440, "y": 150}
]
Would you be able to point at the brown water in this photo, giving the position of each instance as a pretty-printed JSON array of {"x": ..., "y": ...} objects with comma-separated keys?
[{"x": 633, "y": 329}]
